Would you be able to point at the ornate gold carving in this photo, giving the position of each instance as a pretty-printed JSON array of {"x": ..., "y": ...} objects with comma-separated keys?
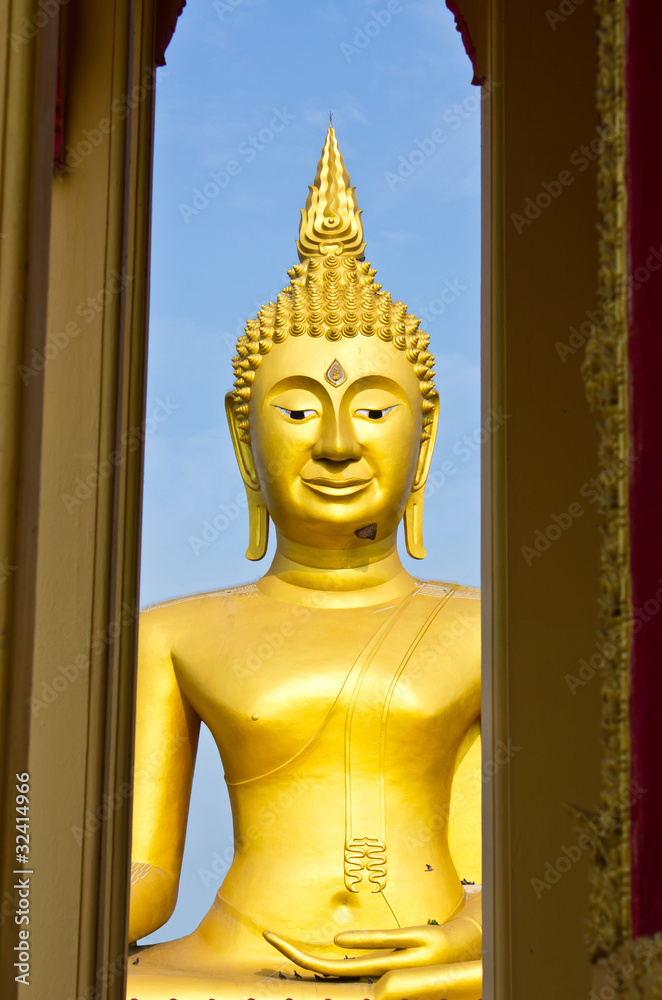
[
  {"x": 331, "y": 221},
  {"x": 634, "y": 972},
  {"x": 332, "y": 293},
  {"x": 365, "y": 854},
  {"x": 605, "y": 373},
  {"x": 335, "y": 373}
]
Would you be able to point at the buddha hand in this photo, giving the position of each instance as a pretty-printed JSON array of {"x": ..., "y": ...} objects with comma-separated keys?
[{"x": 455, "y": 945}]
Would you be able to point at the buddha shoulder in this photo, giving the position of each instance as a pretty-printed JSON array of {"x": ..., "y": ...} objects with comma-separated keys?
[
  {"x": 172, "y": 624},
  {"x": 458, "y": 623},
  {"x": 464, "y": 601},
  {"x": 436, "y": 588}
]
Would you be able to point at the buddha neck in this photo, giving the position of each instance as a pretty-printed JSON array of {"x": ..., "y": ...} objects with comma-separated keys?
[{"x": 336, "y": 578}]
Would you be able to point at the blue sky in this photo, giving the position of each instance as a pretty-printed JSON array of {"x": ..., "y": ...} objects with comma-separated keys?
[{"x": 241, "y": 116}]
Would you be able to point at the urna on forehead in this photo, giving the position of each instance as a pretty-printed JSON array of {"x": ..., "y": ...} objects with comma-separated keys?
[{"x": 332, "y": 294}]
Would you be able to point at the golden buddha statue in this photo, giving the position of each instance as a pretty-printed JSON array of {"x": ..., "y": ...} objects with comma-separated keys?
[{"x": 343, "y": 694}]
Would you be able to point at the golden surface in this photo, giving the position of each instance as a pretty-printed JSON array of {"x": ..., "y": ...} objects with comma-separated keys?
[
  {"x": 331, "y": 221},
  {"x": 343, "y": 696}
]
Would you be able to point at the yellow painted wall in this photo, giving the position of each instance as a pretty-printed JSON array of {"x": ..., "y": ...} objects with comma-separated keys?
[
  {"x": 75, "y": 653},
  {"x": 543, "y": 278}
]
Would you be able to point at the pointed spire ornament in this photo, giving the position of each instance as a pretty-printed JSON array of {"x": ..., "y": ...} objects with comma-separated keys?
[{"x": 331, "y": 221}]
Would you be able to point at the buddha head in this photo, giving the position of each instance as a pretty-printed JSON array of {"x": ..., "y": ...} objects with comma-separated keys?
[{"x": 334, "y": 411}]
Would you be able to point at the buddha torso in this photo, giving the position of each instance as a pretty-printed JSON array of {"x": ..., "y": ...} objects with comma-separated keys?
[{"x": 331, "y": 724}]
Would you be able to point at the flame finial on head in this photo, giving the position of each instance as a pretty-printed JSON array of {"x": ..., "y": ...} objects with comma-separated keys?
[{"x": 331, "y": 221}]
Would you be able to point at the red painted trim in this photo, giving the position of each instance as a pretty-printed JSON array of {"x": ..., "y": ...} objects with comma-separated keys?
[
  {"x": 469, "y": 47},
  {"x": 644, "y": 155},
  {"x": 167, "y": 14},
  {"x": 58, "y": 129}
]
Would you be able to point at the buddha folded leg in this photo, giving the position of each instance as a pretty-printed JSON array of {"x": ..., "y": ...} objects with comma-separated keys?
[
  {"x": 459, "y": 981},
  {"x": 244, "y": 986},
  {"x": 454, "y": 982},
  {"x": 227, "y": 958}
]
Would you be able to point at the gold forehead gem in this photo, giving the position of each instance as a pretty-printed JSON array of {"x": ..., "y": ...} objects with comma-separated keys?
[{"x": 335, "y": 373}]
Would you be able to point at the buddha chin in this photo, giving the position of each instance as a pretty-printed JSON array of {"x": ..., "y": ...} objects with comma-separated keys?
[{"x": 343, "y": 694}]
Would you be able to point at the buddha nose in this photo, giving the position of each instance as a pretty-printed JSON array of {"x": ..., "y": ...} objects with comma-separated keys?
[{"x": 337, "y": 442}]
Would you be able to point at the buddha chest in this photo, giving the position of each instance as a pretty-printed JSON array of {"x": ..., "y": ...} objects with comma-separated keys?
[{"x": 372, "y": 682}]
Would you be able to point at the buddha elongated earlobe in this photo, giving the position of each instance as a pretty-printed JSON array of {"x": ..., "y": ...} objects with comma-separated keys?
[
  {"x": 414, "y": 525},
  {"x": 258, "y": 525},
  {"x": 414, "y": 509},
  {"x": 258, "y": 516}
]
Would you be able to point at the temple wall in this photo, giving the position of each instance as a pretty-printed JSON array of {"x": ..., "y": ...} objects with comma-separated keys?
[
  {"x": 541, "y": 540},
  {"x": 69, "y": 616}
]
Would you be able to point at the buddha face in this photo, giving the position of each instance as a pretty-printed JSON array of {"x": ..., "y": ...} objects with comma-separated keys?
[{"x": 336, "y": 450}]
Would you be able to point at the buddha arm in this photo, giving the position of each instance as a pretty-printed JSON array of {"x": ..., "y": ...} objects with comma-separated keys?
[{"x": 166, "y": 740}]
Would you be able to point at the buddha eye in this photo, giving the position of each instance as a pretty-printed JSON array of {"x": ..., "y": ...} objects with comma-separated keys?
[
  {"x": 296, "y": 414},
  {"x": 375, "y": 414}
]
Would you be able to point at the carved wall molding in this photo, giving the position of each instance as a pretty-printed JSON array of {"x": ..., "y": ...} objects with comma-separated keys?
[
  {"x": 633, "y": 972},
  {"x": 605, "y": 371}
]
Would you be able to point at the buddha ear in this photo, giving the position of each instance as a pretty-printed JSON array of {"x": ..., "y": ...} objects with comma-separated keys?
[
  {"x": 414, "y": 508},
  {"x": 242, "y": 450},
  {"x": 258, "y": 516},
  {"x": 427, "y": 446}
]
